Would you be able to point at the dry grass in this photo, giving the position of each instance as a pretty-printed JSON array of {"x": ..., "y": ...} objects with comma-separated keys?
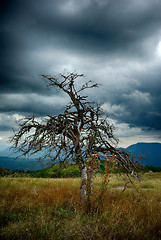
[{"x": 49, "y": 209}]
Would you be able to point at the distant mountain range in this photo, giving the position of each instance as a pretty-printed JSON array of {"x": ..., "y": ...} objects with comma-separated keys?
[
  {"x": 17, "y": 164},
  {"x": 10, "y": 160},
  {"x": 8, "y": 152},
  {"x": 150, "y": 151}
]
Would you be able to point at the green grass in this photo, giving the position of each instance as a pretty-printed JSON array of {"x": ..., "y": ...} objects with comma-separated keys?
[{"x": 33, "y": 208}]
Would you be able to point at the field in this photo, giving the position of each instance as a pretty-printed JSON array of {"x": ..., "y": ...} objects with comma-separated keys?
[{"x": 36, "y": 208}]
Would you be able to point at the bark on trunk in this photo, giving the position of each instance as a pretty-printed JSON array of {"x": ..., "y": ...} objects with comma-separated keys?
[{"x": 83, "y": 185}]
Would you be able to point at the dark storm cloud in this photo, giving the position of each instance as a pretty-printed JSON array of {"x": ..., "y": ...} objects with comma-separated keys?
[
  {"x": 116, "y": 26},
  {"x": 32, "y": 103},
  {"x": 139, "y": 103},
  {"x": 113, "y": 42}
]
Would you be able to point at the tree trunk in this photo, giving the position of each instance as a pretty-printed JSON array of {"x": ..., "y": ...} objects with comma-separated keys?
[{"x": 83, "y": 185}]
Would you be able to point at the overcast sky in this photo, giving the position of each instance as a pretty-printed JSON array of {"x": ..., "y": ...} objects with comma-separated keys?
[{"x": 116, "y": 43}]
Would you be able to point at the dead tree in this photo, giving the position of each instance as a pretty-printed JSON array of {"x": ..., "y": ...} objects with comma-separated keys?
[{"x": 71, "y": 136}]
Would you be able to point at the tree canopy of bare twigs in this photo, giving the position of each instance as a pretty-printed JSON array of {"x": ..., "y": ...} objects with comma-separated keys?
[{"x": 71, "y": 136}]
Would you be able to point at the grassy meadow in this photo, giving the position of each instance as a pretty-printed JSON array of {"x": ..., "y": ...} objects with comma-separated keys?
[{"x": 48, "y": 208}]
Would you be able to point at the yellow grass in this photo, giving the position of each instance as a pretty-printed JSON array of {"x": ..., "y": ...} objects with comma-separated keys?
[{"x": 49, "y": 209}]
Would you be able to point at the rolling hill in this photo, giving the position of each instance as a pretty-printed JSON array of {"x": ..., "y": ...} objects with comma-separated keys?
[
  {"x": 9, "y": 160},
  {"x": 17, "y": 164},
  {"x": 151, "y": 153}
]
